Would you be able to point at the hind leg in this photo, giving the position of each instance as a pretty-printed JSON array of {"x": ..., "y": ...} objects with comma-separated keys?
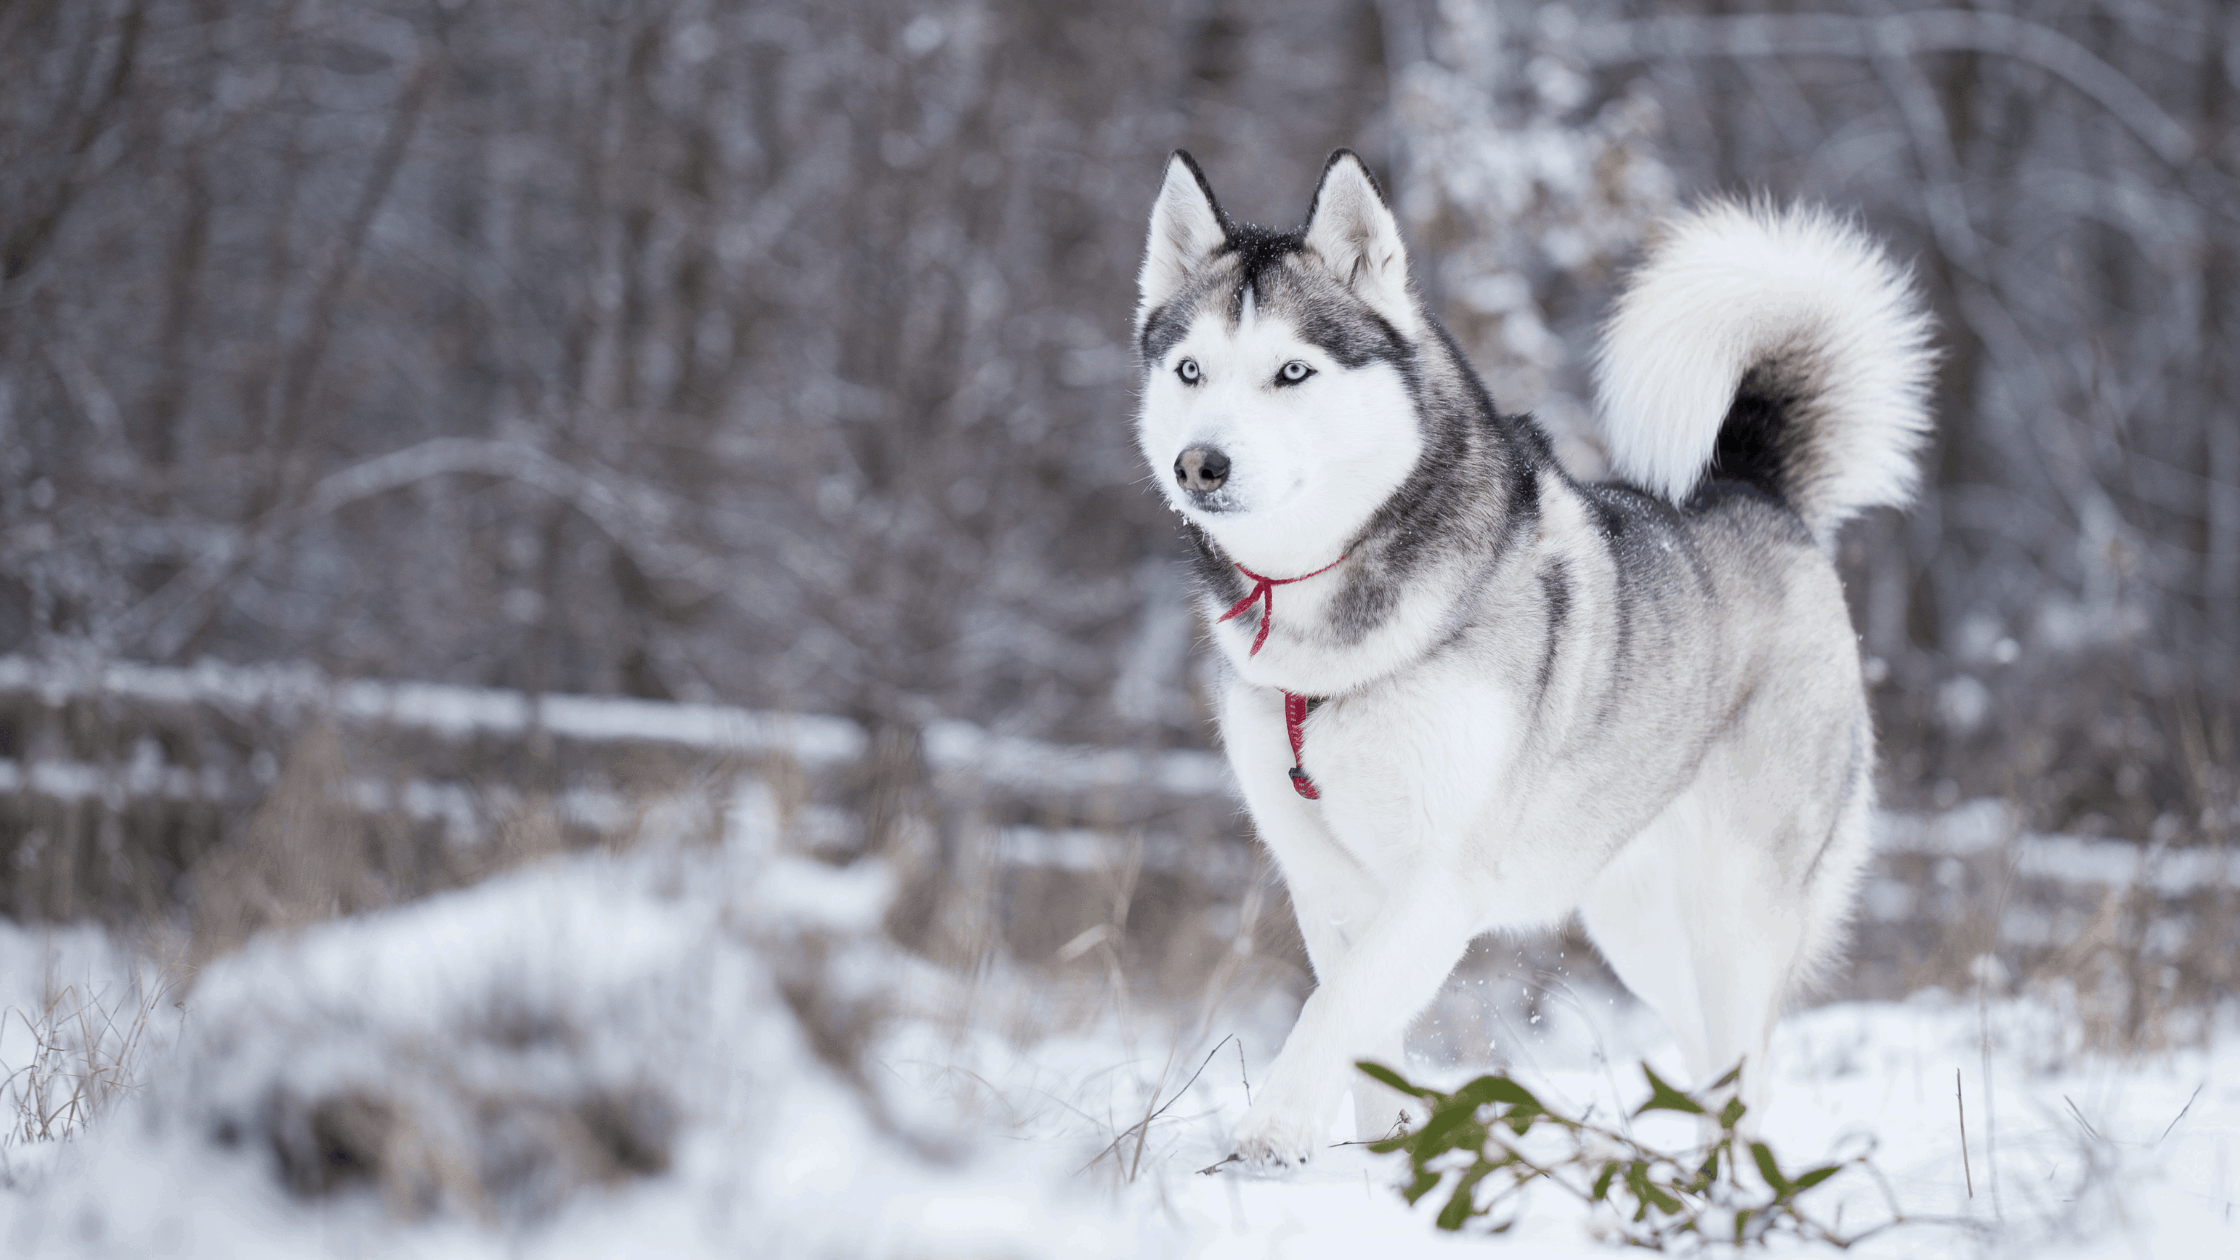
[
  {"x": 1771, "y": 878},
  {"x": 1693, "y": 916},
  {"x": 1635, "y": 917},
  {"x": 1745, "y": 956}
]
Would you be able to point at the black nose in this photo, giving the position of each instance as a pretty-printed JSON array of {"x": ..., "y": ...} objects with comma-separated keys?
[{"x": 1201, "y": 469}]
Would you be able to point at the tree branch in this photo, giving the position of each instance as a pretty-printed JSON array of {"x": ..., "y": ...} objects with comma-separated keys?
[
  {"x": 1935, "y": 30},
  {"x": 637, "y": 519}
]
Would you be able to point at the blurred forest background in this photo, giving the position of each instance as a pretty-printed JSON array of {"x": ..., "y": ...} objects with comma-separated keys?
[
  {"x": 778, "y": 353},
  {"x": 693, "y": 437}
]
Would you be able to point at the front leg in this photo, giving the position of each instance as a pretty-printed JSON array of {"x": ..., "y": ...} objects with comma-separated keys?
[
  {"x": 1334, "y": 900},
  {"x": 1332, "y": 893},
  {"x": 1392, "y": 970}
]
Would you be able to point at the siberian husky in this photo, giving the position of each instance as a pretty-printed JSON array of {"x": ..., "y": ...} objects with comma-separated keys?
[{"x": 1467, "y": 692}]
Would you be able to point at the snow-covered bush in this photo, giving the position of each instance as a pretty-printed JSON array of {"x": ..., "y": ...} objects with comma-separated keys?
[{"x": 683, "y": 1017}]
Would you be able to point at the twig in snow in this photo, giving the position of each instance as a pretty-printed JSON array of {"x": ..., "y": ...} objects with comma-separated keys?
[
  {"x": 1962, "y": 1102},
  {"x": 2181, "y": 1113},
  {"x": 2086, "y": 1123},
  {"x": 1145, "y": 1123}
]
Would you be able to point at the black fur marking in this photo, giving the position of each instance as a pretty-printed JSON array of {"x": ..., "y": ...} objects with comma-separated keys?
[
  {"x": 1639, "y": 531},
  {"x": 1477, "y": 479},
  {"x": 1749, "y": 447},
  {"x": 1646, "y": 535},
  {"x": 1759, "y": 440},
  {"x": 1215, "y": 570},
  {"x": 1205, "y": 187},
  {"x": 1259, "y": 250},
  {"x": 1362, "y": 606},
  {"x": 1529, "y": 454},
  {"x": 1162, "y": 328},
  {"x": 1620, "y": 671},
  {"x": 1555, "y": 593},
  {"x": 1620, "y": 511},
  {"x": 1354, "y": 338}
]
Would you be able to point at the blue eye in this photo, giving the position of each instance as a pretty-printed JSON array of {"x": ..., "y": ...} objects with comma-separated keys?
[
  {"x": 1188, "y": 371},
  {"x": 1293, "y": 373}
]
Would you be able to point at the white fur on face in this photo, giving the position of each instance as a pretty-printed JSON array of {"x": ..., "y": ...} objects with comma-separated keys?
[{"x": 1308, "y": 463}]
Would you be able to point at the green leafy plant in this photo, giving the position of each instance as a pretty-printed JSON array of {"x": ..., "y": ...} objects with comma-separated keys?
[{"x": 1490, "y": 1140}]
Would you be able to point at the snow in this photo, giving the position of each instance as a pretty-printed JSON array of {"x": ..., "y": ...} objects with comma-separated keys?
[
  {"x": 1011, "y": 760},
  {"x": 449, "y": 711},
  {"x": 1084, "y": 849},
  {"x": 671, "y": 1001},
  {"x": 480, "y": 1023},
  {"x": 1986, "y": 825},
  {"x": 816, "y": 741}
]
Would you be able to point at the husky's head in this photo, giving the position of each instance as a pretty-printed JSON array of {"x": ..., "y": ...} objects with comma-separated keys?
[{"x": 1277, "y": 411}]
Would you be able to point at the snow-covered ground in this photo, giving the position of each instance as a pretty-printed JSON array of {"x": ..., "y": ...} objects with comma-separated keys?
[{"x": 711, "y": 1050}]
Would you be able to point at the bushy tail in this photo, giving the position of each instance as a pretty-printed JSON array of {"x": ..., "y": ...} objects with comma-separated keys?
[{"x": 1780, "y": 348}]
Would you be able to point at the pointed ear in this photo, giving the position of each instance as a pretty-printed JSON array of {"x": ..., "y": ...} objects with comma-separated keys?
[
  {"x": 1352, "y": 233},
  {"x": 1186, "y": 228}
]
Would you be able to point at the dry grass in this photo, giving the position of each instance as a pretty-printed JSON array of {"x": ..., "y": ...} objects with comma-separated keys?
[
  {"x": 306, "y": 855},
  {"x": 86, "y": 1051},
  {"x": 311, "y": 852}
]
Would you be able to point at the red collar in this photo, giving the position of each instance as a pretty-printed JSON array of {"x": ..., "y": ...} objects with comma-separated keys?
[
  {"x": 1295, "y": 708},
  {"x": 1264, "y": 593},
  {"x": 1295, "y": 711}
]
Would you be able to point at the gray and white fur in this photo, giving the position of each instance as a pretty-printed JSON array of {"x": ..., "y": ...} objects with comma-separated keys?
[{"x": 1639, "y": 700}]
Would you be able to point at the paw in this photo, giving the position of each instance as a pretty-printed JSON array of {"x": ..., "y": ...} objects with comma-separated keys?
[{"x": 1277, "y": 1139}]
